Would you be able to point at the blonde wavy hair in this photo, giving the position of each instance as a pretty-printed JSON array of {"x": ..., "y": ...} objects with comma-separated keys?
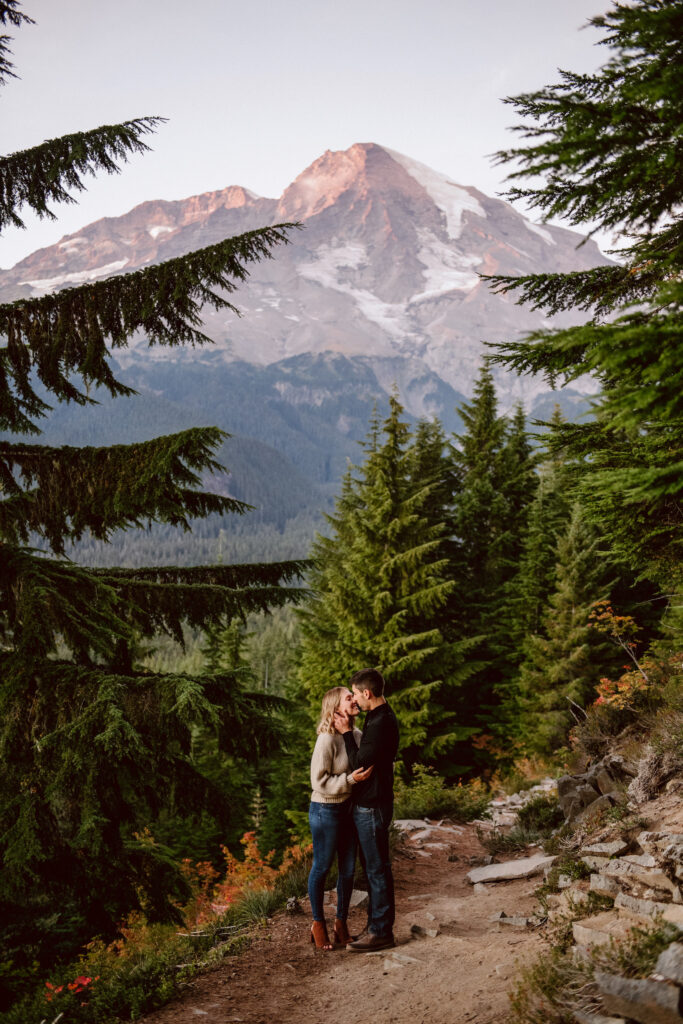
[{"x": 331, "y": 702}]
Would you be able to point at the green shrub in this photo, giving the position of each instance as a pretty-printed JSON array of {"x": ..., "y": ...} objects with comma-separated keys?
[
  {"x": 497, "y": 842},
  {"x": 541, "y": 815},
  {"x": 428, "y": 796},
  {"x": 256, "y": 906}
]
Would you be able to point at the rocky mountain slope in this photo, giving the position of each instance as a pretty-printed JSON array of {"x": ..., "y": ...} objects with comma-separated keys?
[
  {"x": 386, "y": 268},
  {"x": 379, "y": 288}
]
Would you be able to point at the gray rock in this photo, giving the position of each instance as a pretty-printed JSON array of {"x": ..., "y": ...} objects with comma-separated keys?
[
  {"x": 600, "y": 804},
  {"x": 409, "y": 824},
  {"x": 601, "y": 929},
  {"x": 525, "y": 867},
  {"x": 641, "y": 860},
  {"x": 586, "y": 794},
  {"x": 613, "y": 849},
  {"x": 603, "y": 885},
  {"x": 565, "y": 785},
  {"x": 605, "y": 782},
  {"x": 674, "y": 914},
  {"x": 639, "y": 908},
  {"x": 516, "y": 921},
  {"x": 624, "y": 869},
  {"x": 596, "y": 863},
  {"x": 359, "y": 898},
  {"x": 644, "y": 1000},
  {"x": 429, "y": 931},
  {"x": 670, "y": 963},
  {"x": 495, "y": 918}
]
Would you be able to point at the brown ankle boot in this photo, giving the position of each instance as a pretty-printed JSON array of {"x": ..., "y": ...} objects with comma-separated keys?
[
  {"x": 341, "y": 932},
  {"x": 319, "y": 935}
]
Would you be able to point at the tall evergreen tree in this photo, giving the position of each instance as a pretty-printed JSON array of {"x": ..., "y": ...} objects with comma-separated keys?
[
  {"x": 480, "y": 518},
  {"x": 607, "y": 147},
  {"x": 566, "y": 661},
  {"x": 94, "y": 748},
  {"x": 494, "y": 485},
  {"x": 547, "y": 517},
  {"x": 381, "y": 588}
]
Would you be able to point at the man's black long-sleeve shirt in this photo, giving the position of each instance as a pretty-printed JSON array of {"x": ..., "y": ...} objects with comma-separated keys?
[{"x": 378, "y": 747}]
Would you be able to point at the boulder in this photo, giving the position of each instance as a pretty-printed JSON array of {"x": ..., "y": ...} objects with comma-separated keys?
[
  {"x": 409, "y": 824},
  {"x": 629, "y": 869},
  {"x": 525, "y": 867},
  {"x": 596, "y": 863},
  {"x": 612, "y": 849},
  {"x": 670, "y": 963},
  {"x": 600, "y": 929},
  {"x": 641, "y": 999},
  {"x": 603, "y": 885},
  {"x": 639, "y": 908},
  {"x": 596, "y": 807},
  {"x": 674, "y": 914},
  {"x": 604, "y": 781}
]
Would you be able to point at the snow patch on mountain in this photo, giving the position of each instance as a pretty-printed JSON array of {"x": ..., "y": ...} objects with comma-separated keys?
[
  {"x": 328, "y": 269},
  {"x": 445, "y": 269},
  {"x": 538, "y": 230},
  {"x": 158, "y": 229},
  {"x": 71, "y": 245},
  {"x": 452, "y": 199},
  {"x": 47, "y": 284}
]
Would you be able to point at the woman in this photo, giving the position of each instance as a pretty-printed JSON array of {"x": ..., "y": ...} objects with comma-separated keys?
[{"x": 331, "y": 819}]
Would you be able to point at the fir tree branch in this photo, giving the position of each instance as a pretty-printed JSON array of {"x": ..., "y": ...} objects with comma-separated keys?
[
  {"x": 10, "y": 13},
  {"x": 50, "y": 172},
  {"x": 269, "y": 574},
  {"x": 91, "y": 611},
  {"x": 69, "y": 332},
  {"x": 601, "y": 289},
  {"x": 154, "y": 608},
  {"x": 62, "y": 493}
]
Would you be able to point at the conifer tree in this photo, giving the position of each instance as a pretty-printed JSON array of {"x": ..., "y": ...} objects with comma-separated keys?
[
  {"x": 480, "y": 507},
  {"x": 95, "y": 749},
  {"x": 607, "y": 148},
  {"x": 495, "y": 483},
  {"x": 565, "y": 663},
  {"x": 547, "y": 518},
  {"x": 381, "y": 589},
  {"x": 518, "y": 485}
]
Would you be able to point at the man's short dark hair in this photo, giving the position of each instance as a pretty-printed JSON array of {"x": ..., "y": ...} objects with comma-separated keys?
[{"x": 369, "y": 679}]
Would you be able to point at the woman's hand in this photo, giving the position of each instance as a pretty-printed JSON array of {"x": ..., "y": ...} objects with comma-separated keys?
[
  {"x": 361, "y": 774},
  {"x": 342, "y": 722}
]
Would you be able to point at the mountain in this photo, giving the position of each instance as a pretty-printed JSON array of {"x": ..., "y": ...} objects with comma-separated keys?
[
  {"x": 386, "y": 268},
  {"x": 379, "y": 289}
]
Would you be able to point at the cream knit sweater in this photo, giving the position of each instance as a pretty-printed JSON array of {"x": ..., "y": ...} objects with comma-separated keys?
[{"x": 330, "y": 776}]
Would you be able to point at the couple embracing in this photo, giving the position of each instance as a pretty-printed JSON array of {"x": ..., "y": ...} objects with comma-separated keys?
[{"x": 352, "y": 778}]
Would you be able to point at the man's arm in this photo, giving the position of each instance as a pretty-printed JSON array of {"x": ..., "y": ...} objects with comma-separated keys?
[{"x": 372, "y": 740}]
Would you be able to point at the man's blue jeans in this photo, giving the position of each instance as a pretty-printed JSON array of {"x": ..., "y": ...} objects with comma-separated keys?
[
  {"x": 372, "y": 826},
  {"x": 333, "y": 833}
]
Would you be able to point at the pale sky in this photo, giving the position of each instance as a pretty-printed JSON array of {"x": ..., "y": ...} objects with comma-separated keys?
[{"x": 255, "y": 91}]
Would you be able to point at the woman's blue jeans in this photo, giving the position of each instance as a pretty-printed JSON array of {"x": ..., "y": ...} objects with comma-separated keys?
[{"x": 333, "y": 833}]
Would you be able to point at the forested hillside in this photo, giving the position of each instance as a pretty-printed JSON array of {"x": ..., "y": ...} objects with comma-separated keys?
[{"x": 519, "y": 585}]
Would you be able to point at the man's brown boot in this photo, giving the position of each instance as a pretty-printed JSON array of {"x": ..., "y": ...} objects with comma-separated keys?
[{"x": 370, "y": 942}]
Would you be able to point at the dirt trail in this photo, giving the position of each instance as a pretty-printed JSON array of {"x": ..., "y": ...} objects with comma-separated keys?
[{"x": 461, "y": 976}]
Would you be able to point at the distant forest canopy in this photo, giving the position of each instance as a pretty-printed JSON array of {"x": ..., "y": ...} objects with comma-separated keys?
[{"x": 286, "y": 455}]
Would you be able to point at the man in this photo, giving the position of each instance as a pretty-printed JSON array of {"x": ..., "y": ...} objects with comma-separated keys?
[{"x": 373, "y": 802}]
